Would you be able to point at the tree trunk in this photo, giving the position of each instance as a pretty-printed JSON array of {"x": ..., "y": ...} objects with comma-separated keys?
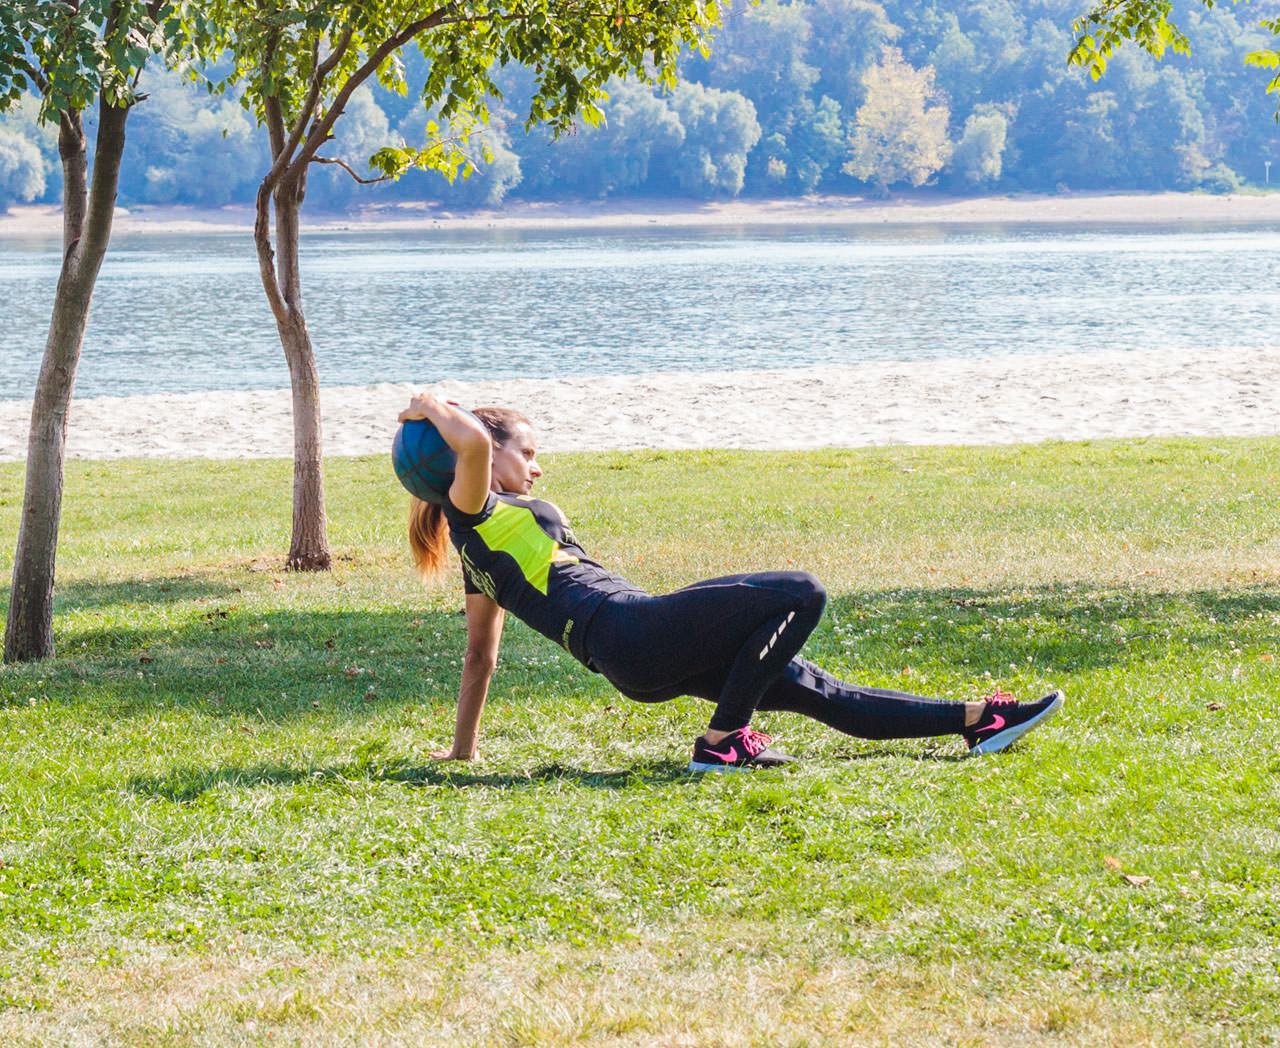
[
  {"x": 86, "y": 231},
  {"x": 309, "y": 542}
]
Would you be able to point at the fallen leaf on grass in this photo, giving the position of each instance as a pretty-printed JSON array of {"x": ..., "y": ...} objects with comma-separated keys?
[{"x": 1111, "y": 862}]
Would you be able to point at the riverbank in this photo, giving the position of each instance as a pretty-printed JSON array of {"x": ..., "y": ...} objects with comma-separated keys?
[
  {"x": 1009, "y": 400},
  {"x": 905, "y": 208}
]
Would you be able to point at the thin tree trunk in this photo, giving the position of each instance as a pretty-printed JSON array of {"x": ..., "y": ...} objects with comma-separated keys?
[
  {"x": 281, "y": 275},
  {"x": 86, "y": 231}
]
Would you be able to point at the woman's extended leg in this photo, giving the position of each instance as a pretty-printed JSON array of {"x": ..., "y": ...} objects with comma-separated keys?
[
  {"x": 869, "y": 713},
  {"x": 988, "y": 725},
  {"x": 734, "y": 641}
]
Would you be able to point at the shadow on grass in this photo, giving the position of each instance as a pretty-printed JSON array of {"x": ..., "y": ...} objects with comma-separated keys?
[
  {"x": 189, "y": 784},
  {"x": 185, "y": 642},
  {"x": 138, "y": 593},
  {"x": 133, "y": 593}
]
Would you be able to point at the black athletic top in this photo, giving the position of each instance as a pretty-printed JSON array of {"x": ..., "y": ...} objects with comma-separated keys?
[{"x": 521, "y": 552}]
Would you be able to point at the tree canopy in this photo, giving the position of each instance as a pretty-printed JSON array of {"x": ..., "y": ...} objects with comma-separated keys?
[{"x": 305, "y": 60}]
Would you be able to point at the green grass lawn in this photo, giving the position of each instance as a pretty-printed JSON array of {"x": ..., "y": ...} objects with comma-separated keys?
[{"x": 219, "y": 824}]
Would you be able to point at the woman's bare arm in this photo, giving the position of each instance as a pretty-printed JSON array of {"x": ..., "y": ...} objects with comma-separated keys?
[
  {"x": 470, "y": 441},
  {"x": 484, "y": 636}
]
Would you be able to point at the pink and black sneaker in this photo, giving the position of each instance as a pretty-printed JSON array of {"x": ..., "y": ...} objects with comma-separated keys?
[
  {"x": 1004, "y": 721},
  {"x": 739, "y": 750}
]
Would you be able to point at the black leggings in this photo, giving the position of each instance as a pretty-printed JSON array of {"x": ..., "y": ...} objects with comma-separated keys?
[{"x": 734, "y": 641}]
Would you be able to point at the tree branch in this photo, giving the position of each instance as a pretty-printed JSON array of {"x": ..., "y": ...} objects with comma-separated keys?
[
  {"x": 347, "y": 168},
  {"x": 326, "y": 67},
  {"x": 323, "y": 128},
  {"x": 34, "y": 74},
  {"x": 113, "y": 21},
  {"x": 106, "y": 179},
  {"x": 266, "y": 253},
  {"x": 320, "y": 70},
  {"x": 274, "y": 118}
]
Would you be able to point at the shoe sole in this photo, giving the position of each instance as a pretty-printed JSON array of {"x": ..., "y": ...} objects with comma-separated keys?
[
  {"x": 1004, "y": 739},
  {"x": 699, "y": 766},
  {"x": 695, "y": 766}
]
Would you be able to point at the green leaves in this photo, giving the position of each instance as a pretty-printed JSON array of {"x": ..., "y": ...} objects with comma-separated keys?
[
  {"x": 1146, "y": 22},
  {"x": 71, "y": 53},
  {"x": 1102, "y": 30},
  {"x": 307, "y": 56}
]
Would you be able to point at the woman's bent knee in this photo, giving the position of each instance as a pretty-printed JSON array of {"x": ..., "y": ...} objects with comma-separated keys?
[{"x": 810, "y": 590}]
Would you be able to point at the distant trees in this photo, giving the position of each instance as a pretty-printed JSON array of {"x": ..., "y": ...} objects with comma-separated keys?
[
  {"x": 900, "y": 131},
  {"x": 29, "y": 161},
  {"x": 607, "y": 160},
  {"x": 846, "y": 38},
  {"x": 192, "y": 148},
  {"x": 978, "y": 158},
  {"x": 720, "y": 129},
  {"x": 21, "y": 169},
  {"x": 1020, "y": 117}
]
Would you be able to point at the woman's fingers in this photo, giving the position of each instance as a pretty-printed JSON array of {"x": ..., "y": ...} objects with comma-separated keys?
[{"x": 420, "y": 406}]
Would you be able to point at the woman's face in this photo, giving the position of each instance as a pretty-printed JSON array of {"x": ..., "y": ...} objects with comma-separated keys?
[{"x": 515, "y": 463}]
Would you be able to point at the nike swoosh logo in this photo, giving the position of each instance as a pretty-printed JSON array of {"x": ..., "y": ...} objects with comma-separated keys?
[
  {"x": 996, "y": 724},
  {"x": 732, "y": 755}
]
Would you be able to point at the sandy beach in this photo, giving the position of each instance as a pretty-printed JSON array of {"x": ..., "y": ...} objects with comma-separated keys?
[
  {"x": 1008, "y": 400},
  {"x": 903, "y": 208}
]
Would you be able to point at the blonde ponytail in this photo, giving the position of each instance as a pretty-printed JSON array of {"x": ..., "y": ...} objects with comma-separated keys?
[{"x": 428, "y": 538}]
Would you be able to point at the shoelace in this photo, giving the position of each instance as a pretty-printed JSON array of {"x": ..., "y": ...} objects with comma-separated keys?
[
  {"x": 1000, "y": 698},
  {"x": 754, "y": 741}
]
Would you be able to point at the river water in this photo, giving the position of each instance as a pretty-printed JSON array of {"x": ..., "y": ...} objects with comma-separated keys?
[{"x": 183, "y": 313}]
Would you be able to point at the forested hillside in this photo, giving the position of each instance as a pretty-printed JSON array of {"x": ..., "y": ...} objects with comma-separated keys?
[{"x": 850, "y": 96}]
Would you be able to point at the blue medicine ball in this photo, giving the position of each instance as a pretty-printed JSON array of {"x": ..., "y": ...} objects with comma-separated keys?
[{"x": 423, "y": 461}]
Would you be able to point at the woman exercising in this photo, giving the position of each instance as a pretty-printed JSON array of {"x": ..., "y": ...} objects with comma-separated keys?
[{"x": 731, "y": 640}]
